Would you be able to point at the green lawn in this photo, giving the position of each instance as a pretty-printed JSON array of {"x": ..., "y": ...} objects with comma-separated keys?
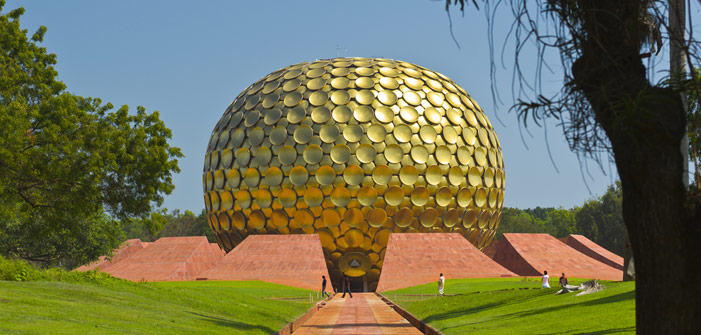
[
  {"x": 120, "y": 307},
  {"x": 514, "y": 306}
]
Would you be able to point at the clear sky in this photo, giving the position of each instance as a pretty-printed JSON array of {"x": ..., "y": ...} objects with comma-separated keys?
[{"x": 189, "y": 60}]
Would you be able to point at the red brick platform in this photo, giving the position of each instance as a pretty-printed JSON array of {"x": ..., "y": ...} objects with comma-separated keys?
[
  {"x": 416, "y": 259},
  {"x": 294, "y": 260},
  {"x": 531, "y": 254},
  {"x": 169, "y": 259},
  {"x": 128, "y": 248},
  {"x": 595, "y": 251}
]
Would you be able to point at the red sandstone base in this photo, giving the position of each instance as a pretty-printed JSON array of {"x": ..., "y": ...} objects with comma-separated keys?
[
  {"x": 294, "y": 260},
  {"x": 531, "y": 254},
  {"x": 595, "y": 251},
  {"x": 128, "y": 248},
  {"x": 416, "y": 259}
]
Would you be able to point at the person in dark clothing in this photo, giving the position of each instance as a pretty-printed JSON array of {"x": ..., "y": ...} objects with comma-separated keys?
[
  {"x": 346, "y": 287},
  {"x": 563, "y": 281},
  {"x": 323, "y": 287}
]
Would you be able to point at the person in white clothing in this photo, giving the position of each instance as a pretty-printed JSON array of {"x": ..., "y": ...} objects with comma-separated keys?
[
  {"x": 546, "y": 280},
  {"x": 441, "y": 284}
]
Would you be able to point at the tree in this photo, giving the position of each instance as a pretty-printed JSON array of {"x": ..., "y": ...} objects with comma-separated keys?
[
  {"x": 601, "y": 220},
  {"x": 608, "y": 105},
  {"x": 69, "y": 165}
]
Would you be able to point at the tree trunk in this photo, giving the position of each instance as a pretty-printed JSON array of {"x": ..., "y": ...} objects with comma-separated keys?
[{"x": 645, "y": 126}]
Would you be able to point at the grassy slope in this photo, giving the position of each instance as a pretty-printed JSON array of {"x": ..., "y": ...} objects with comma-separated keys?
[
  {"x": 485, "y": 307},
  {"x": 115, "y": 306}
]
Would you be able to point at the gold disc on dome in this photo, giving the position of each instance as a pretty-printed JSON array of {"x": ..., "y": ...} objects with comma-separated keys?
[
  {"x": 238, "y": 220},
  {"x": 480, "y": 156},
  {"x": 382, "y": 237},
  {"x": 243, "y": 199},
  {"x": 313, "y": 154},
  {"x": 451, "y": 218},
  {"x": 279, "y": 218},
  {"x": 315, "y": 73},
  {"x": 492, "y": 200},
  {"x": 409, "y": 114},
  {"x": 256, "y": 136},
  {"x": 429, "y": 217},
  {"x": 341, "y": 114},
  {"x": 428, "y": 134},
  {"x": 387, "y": 97},
  {"x": 270, "y": 100},
  {"x": 471, "y": 119},
  {"x": 353, "y": 217},
  {"x": 362, "y": 113},
  {"x": 287, "y": 155},
  {"x": 325, "y": 175},
  {"x": 464, "y": 197},
  {"x": 389, "y": 83},
  {"x": 414, "y": 83},
  {"x": 483, "y": 136},
  {"x": 450, "y": 135},
  {"x": 364, "y": 82},
  {"x": 381, "y": 175},
  {"x": 318, "y": 98},
  {"x": 329, "y": 133},
  {"x": 316, "y": 84},
  {"x": 366, "y": 153},
  {"x": 340, "y": 153},
  {"x": 227, "y": 200},
  {"x": 443, "y": 154},
  {"x": 354, "y": 238},
  {"x": 412, "y": 98},
  {"x": 340, "y": 83},
  {"x": 352, "y": 133},
  {"x": 313, "y": 196},
  {"x": 434, "y": 84},
  {"x": 340, "y": 72},
  {"x": 408, "y": 175},
  {"x": 364, "y": 97},
  {"x": 384, "y": 114},
  {"x": 480, "y": 197},
  {"x": 443, "y": 196},
  {"x": 377, "y": 133},
  {"x": 376, "y": 217},
  {"x": 237, "y": 137},
  {"x": 394, "y": 195},
  {"x": 364, "y": 71},
  {"x": 304, "y": 218},
  {"x": 455, "y": 175},
  {"x": 292, "y": 99},
  {"x": 353, "y": 175},
  {"x": 474, "y": 176},
  {"x": 251, "y": 177},
  {"x": 432, "y": 115},
  {"x": 394, "y": 153},
  {"x": 389, "y": 72},
  {"x": 251, "y": 118},
  {"x": 419, "y": 154},
  {"x": 367, "y": 196},
  {"x": 463, "y": 155},
  {"x": 299, "y": 175},
  {"x": 287, "y": 197},
  {"x": 233, "y": 178},
  {"x": 303, "y": 134},
  {"x": 321, "y": 114},
  {"x": 340, "y": 196},
  {"x": 340, "y": 97},
  {"x": 296, "y": 115},
  {"x": 435, "y": 98},
  {"x": 403, "y": 217},
  {"x": 263, "y": 198},
  {"x": 263, "y": 156},
  {"x": 292, "y": 74},
  {"x": 434, "y": 175},
  {"x": 291, "y": 85},
  {"x": 419, "y": 196},
  {"x": 273, "y": 176},
  {"x": 272, "y": 116},
  {"x": 454, "y": 115},
  {"x": 488, "y": 177},
  {"x": 402, "y": 133},
  {"x": 256, "y": 219}
]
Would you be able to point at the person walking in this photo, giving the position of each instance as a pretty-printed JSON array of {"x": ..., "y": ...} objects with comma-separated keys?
[
  {"x": 441, "y": 284},
  {"x": 546, "y": 280},
  {"x": 346, "y": 287},
  {"x": 323, "y": 287}
]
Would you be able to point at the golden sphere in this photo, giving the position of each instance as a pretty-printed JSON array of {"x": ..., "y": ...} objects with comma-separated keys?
[{"x": 353, "y": 149}]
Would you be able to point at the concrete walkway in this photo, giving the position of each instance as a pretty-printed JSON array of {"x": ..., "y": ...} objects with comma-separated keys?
[{"x": 363, "y": 314}]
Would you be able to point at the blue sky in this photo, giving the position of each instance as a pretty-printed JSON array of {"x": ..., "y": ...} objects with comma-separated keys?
[{"x": 189, "y": 60}]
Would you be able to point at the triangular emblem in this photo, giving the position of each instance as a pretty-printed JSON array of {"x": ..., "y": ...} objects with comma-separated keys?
[{"x": 354, "y": 263}]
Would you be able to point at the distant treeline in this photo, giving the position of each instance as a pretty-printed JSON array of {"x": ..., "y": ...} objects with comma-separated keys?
[{"x": 599, "y": 219}]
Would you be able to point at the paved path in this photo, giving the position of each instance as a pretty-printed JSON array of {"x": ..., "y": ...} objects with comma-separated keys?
[{"x": 363, "y": 314}]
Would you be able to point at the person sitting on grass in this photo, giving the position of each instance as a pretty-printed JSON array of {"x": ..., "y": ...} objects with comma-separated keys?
[
  {"x": 563, "y": 281},
  {"x": 546, "y": 279}
]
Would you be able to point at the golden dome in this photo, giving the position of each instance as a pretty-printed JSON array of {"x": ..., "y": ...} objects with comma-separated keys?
[{"x": 353, "y": 149}]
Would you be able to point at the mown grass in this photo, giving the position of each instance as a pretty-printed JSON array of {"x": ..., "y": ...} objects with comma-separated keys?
[
  {"x": 94, "y": 303},
  {"x": 514, "y": 306}
]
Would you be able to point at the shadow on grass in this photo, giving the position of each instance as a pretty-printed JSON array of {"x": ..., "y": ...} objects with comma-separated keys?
[
  {"x": 561, "y": 308},
  {"x": 598, "y": 332},
  {"x": 234, "y": 324}
]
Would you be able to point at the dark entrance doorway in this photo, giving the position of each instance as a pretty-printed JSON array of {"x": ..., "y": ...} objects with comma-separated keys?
[{"x": 359, "y": 284}]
